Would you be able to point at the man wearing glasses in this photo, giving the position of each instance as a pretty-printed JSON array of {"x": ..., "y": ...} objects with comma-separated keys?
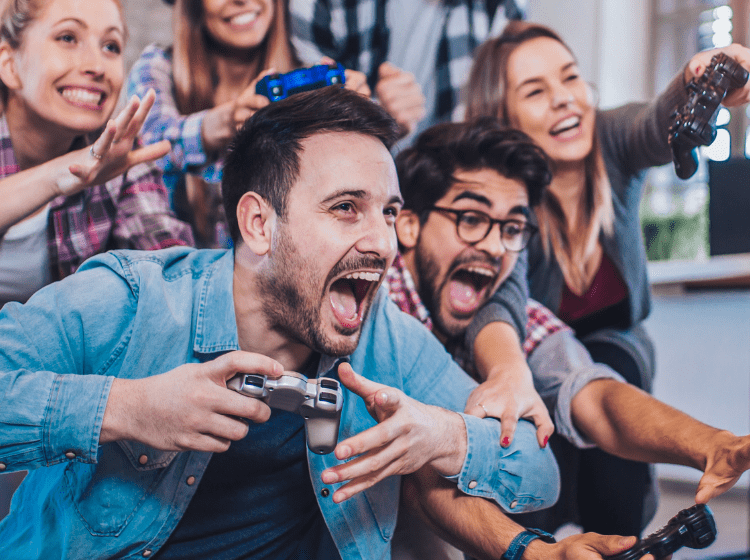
[{"x": 459, "y": 181}]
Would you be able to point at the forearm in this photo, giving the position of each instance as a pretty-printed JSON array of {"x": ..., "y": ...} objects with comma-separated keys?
[
  {"x": 497, "y": 352},
  {"x": 625, "y": 421}
]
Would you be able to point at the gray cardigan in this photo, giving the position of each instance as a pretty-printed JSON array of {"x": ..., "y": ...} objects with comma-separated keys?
[{"x": 633, "y": 138}]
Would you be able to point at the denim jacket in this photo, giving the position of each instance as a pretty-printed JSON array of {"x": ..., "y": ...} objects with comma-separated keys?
[{"x": 134, "y": 314}]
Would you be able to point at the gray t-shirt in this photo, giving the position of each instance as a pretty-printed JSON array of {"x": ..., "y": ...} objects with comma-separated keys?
[{"x": 24, "y": 259}]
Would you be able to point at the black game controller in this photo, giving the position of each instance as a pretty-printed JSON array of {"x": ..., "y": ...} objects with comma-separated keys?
[
  {"x": 693, "y": 527},
  {"x": 694, "y": 124},
  {"x": 280, "y": 86},
  {"x": 318, "y": 401}
]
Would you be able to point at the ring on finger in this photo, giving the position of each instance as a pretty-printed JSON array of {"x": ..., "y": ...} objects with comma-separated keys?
[
  {"x": 485, "y": 410},
  {"x": 93, "y": 153}
]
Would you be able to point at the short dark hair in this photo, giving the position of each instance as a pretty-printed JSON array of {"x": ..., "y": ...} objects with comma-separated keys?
[
  {"x": 264, "y": 155},
  {"x": 426, "y": 171}
]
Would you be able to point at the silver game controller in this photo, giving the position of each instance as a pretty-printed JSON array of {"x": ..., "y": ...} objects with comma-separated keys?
[{"x": 318, "y": 401}]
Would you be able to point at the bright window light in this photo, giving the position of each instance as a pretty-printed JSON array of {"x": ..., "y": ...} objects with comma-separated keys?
[
  {"x": 720, "y": 148},
  {"x": 723, "y": 117}
]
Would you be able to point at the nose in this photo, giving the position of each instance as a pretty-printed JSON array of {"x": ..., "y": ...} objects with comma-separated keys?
[
  {"x": 492, "y": 244},
  {"x": 92, "y": 61},
  {"x": 561, "y": 95},
  {"x": 378, "y": 239}
]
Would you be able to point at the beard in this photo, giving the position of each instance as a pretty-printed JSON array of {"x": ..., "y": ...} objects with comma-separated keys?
[
  {"x": 292, "y": 304},
  {"x": 431, "y": 286}
]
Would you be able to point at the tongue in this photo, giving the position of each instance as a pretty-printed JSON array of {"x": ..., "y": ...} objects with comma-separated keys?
[
  {"x": 344, "y": 303},
  {"x": 463, "y": 295}
]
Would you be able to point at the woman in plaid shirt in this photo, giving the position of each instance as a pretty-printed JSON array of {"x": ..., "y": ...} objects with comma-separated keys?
[{"x": 66, "y": 198}]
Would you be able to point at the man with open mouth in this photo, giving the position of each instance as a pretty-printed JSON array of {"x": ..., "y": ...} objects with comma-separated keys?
[
  {"x": 114, "y": 382},
  {"x": 469, "y": 190}
]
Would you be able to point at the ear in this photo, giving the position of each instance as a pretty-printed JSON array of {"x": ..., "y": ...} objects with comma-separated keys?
[
  {"x": 407, "y": 228},
  {"x": 8, "y": 74},
  {"x": 256, "y": 219}
]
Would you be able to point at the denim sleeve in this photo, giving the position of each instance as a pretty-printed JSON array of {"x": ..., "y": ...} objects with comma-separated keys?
[
  {"x": 53, "y": 363},
  {"x": 521, "y": 477},
  {"x": 153, "y": 70},
  {"x": 561, "y": 367},
  {"x": 508, "y": 305}
]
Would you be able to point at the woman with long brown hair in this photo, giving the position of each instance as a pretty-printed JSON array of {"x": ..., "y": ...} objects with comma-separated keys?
[
  {"x": 589, "y": 264},
  {"x": 205, "y": 88}
]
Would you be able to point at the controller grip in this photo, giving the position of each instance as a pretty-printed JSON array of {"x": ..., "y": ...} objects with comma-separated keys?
[
  {"x": 322, "y": 433},
  {"x": 685, "y": 161}
]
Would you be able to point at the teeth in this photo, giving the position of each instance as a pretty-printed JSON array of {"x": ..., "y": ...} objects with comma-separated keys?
[
  {"x": 570, "y": 122},
  {"x": 78, "y": 95},
  {"x": 482, "y": 271},
  {"x": 244, "y": 19},
  {"x": 369, "y": 276}
]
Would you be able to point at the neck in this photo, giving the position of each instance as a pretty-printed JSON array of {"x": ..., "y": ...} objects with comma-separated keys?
[
  {"x": 255, "y": 332},
  {"x": 35, "y": 140},
  {"x": 235, "y": 69},
  {"x": 568, "y": 185}
]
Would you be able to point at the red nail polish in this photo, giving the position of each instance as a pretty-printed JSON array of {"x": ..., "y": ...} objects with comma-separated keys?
[
  {"x": 506, "y": 441},
  {"x": 546, "y": 439}
]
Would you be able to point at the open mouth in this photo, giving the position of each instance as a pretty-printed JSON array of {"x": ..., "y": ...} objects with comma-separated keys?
[
  {"x": 347, "y": 295},
  {"x": 566, "y": 125},
  {"x": 468, "y": 288},
  {"x": 92, "y": 99}
]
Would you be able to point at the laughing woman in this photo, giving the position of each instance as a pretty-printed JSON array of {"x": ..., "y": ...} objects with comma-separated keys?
[
  {"x": 66, "y": 198},
  {"x": 589, "y": 264}
]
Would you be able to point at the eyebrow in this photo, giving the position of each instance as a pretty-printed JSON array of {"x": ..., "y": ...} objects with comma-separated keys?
[
  {"x": 360, "y": 194},
  {"x": 524, "y": 210},
  {"x": 83, "y": 24},
  {"x": 481, "y": 199},
  {"x": 538, "y": 79}
]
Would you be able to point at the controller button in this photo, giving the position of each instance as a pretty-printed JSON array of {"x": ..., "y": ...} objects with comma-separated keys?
[
  {"x": 513, "y": 504},
  {"x": 328, "y": 397},
  {"x": 2, "y": 467},
  {"x": 329, "y": 384},
  {"x": 325, "y": 492},
  {"x": 143, "y": 459},
  {"x": 70, "y": 454},
  {"x": 190, "y": 480},
  {"x": 146, "y": 553},
  {"x": 472, "y": 484}
]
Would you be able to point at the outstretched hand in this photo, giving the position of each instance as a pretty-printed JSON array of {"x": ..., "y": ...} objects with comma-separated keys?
[
  {"x": 509, "y": 396},
  {"x": 112, "y": 153},
  {"x": 409, "y": 435},
  {"x": 702, "y": 60},
  {"x": 587, "y": 546},
  {"x": 729, "y": 458}
]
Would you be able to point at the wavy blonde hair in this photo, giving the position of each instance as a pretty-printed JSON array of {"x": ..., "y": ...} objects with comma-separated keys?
[
  {"x": 192, "y": 56},
  {"x": 485, "y": 95}
]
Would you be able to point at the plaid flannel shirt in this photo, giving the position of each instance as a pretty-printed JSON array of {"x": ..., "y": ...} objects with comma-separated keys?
[
  {"x": 154, "y": 70},
  {"x": 128, "y": 212},
  {"x": 540, "y": 324},
  {"x": 354, "y": 33}
]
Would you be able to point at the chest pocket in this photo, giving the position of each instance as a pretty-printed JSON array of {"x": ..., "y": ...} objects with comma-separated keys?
[{"x": 107, "y": 495}]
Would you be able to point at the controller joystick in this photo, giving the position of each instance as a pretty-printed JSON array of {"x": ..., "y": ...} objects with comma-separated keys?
[
  {"x": 693, "y": 527},
  {"x": 318, "y": 401},
  {"x": 695, "y": 124},
  {"x": 280, "y": 86}
]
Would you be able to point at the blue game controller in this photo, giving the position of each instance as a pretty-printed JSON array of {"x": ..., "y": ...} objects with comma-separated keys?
[{"x": 280, "y": 86}]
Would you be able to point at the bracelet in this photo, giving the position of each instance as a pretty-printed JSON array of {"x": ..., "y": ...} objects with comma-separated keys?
[{"x": 518, "y": 545}]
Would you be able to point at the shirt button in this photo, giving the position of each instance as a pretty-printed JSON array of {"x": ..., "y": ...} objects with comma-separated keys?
[
  {"x": 513, "y": 504},
  {"x": 2, "y": 467},
  {"x": 146, "y": 553},
  {"x": 143, "y": 459},
  {"x": 190, "y": 480},
  {"x": 473, "y": 484},
  {"x": 70, "y": 455},
  {"x": 325, "y": 492}
]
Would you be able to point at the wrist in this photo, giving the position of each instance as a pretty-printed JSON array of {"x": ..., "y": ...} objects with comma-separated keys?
[
  {"x": 451, "y": 453},
  {"x": 217, "y": 128},
  {"x": 522, "y": 545},
  {"x": 539, "y": 550},
  {"x": 117, "y": 412}
]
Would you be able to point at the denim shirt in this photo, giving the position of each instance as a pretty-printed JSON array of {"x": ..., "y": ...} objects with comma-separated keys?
[{"x": 133, "y": 314}]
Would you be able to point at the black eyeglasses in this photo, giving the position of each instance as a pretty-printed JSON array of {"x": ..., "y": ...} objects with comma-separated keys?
[{"x": 472, "y": 226}]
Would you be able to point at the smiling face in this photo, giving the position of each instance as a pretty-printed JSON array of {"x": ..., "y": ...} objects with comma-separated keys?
[
  {"x": 548, "y": 100},
  {"x": 238, "y": 24},
  {"x": 68, "y": 70},
  {"x": 455, "y": 278},
  {"x": 335, "y": 242}
]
